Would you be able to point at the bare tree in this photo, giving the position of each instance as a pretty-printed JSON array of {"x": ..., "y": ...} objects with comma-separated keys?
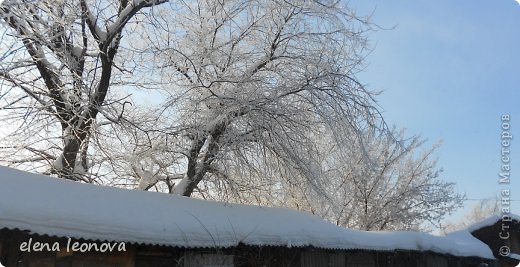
[
  {"x": 250, "y": 82},
  {"x": 57, "y": 63},
  {"x": 383, "y": 185},
  {"x": 397, "y": 186}
]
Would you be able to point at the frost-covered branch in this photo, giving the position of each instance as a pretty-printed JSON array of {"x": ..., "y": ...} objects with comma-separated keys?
[{"x": 58, "y": 54}]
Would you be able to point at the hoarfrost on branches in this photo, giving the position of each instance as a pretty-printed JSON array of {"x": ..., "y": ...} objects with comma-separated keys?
[
  {"x": 254, "y": 101},
  {"x": 58, "y": 60}
]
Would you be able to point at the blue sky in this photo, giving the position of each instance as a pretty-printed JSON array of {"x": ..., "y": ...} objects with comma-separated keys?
[{"x": 449, "y": 70}]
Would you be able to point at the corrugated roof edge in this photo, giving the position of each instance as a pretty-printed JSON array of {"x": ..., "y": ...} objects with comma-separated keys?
[{"x": 233, "y": 246}]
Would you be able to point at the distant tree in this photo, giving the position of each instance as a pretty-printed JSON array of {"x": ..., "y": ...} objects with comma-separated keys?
[
  {"x": 384, "y": 185},
  {"x": 483, "y": 209},
  {"x": 388, "y": 185},
  {"x": 58, "y": 61}
]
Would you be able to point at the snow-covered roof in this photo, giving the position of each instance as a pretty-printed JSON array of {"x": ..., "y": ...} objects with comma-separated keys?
[
  {"x": 491, "y": 220},
  {"x": 45, "y": 205}
]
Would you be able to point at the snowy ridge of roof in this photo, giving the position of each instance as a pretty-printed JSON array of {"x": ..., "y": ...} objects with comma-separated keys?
[
  {"x": 45, "y": 205},
  {"x": 491, "y": 220}
]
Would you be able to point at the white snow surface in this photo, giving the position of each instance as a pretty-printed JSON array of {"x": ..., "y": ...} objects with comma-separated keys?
[
  {"x": 45, "y": 205},
  {"x": 491, "y": 221}
]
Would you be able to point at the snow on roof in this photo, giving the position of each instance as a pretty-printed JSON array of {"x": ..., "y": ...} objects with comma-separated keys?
[
  {"x": 45, "y": 205},
  {"x": 490, "y": 221}
]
